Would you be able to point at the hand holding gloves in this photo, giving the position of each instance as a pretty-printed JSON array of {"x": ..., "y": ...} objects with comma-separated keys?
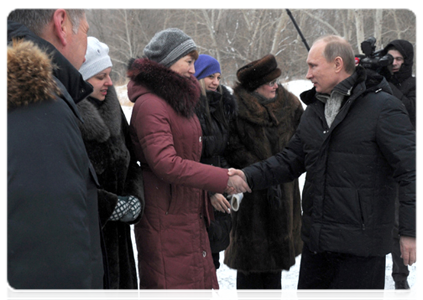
[{"x": 127, "y": 209}]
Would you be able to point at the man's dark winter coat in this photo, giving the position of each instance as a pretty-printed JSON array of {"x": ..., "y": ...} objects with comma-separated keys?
[
  {"x": 53, "y": 226},
  {"x": 403, "y": 83},
  {"x": 348, "y": 197},
  {"x": 266, "y": 229},
  {"x": 106, "y": 136}
]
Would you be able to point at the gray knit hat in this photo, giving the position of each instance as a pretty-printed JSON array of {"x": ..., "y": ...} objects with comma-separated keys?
[
  {"x": 97, "y": 58},
  {"x": 168, "y": 46}
]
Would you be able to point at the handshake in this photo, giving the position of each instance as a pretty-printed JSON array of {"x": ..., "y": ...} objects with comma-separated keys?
[{"x": 237, "y": 182}]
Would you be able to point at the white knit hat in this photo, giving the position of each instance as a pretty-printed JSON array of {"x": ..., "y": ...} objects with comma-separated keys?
[{"x": 97, "y": 58}]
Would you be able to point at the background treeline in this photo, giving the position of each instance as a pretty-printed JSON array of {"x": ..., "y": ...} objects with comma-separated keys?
[{"x": 238, "y": 36}]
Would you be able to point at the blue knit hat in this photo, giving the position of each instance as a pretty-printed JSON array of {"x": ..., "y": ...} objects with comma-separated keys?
[{"x": 206, "y": 65}]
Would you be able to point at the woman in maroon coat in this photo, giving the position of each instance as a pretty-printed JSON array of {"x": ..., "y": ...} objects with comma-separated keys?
[{"x": 172, "y": 241}]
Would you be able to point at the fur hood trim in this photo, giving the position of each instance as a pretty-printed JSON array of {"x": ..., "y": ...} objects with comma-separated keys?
[
  {"x": 270, "y": 114},
  {"x": 181, "y": 93},
  {"x": 29, "y": 75},
  {"x": 102, "y": 121}
]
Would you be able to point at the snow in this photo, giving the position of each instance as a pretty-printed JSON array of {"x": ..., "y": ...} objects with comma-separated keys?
[{"x": 227, "y": 276}]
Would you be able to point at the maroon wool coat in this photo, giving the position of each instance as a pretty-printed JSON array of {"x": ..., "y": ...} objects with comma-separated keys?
[{"x": 172, "y": 241}]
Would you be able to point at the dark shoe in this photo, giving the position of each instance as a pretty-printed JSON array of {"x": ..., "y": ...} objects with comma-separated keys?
[{"x": 402, "y": 285}]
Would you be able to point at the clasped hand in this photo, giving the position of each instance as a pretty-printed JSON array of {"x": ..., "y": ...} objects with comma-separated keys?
[{"x": 237, "y": 182}]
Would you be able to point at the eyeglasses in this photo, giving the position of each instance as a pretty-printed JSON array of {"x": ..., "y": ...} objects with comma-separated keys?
[{"x": 272, "y": 83}]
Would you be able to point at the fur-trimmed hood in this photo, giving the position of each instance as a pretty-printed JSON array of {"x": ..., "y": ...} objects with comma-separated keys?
[
  {"x": 29, "y": 75},
  {"x": 181, "y": 93},
  {"x": 67, "y": 76}
]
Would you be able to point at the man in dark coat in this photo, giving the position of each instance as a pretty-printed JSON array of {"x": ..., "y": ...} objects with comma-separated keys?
[
  {"x": 400, "y": 78},
  {"x": 53, "y": 225},
  {"x": 403, "y": 86},
  {"x": 355, "y": 141}
]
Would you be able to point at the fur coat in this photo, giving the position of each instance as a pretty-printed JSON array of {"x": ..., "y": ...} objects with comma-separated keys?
[
  {"x": 106, "y": 136},
  {"x": 266, "y": 229},
  {"x": 222, "y": 108}
]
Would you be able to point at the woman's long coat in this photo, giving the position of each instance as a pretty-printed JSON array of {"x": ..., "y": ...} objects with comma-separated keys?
[
  {"x": 223, "y": 108},
  {"x": 106, "y": 136},
  {"x": 172, "y": 241},
  {"x": 266, "y": 229}
]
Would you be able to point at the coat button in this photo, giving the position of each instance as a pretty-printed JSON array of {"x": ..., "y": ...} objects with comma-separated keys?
[
  {"x": 204, "y": 253},
  {"x": 200, "y": 139}
]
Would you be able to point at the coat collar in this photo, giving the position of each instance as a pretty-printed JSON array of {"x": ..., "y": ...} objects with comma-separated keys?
[
  {"x": 361, "y": 81},
  {"x": 102, "y": 119},
  {"x": 181, "y": 93},
  {"x": 250, "y": 108}
]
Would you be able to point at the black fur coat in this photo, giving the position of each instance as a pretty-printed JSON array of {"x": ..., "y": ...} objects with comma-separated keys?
[
  {"x": 265, "y": 237},
  {"x": 105, "y": 134}
]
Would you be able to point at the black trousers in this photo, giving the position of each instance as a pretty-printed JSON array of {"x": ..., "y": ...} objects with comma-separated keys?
[
  {"x": 340, "y": 271},
  {"x": 259, "y": 280}
]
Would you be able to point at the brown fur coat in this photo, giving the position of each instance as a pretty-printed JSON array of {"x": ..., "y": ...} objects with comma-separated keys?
[{"x": 264, "y": 238}]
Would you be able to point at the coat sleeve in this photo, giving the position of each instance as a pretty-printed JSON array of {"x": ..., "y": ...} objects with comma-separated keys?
[
  {"x": 285, "y": 166},
  {"x": 236, "y": 153},
  {"x": 397, "y": 141},
  {"x": 408, "y": 98},
  {"x": 134, "y": 183},
  {"x": 154, "y": 134}
]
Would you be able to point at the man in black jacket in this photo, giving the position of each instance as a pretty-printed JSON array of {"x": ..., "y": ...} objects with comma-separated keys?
[
  {"x": 403, "y": 86},
  {"x": 400, "y": 78},
  {"x": 52, "y": 226},
  {"x": 355, "y": 141}
]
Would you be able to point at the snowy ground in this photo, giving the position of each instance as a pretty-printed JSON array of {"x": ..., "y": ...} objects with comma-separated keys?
[{"x": 226, "y": 276}]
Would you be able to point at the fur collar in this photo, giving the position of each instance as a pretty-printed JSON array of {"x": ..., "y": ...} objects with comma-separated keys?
[
  {"x": 181, "y": 93},
  {"x": 269, "y": 114},
  {"x": 29, "y": 75},
  {"x": 101, "y": 119}
]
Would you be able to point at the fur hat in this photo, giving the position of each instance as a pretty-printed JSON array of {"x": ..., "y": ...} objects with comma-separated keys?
[
  {"x": 206, "y": 65},
  {"x": 97, "y": 58},
  {"x": 258, "y": 72},
  {"x": 168, "y": 46}
]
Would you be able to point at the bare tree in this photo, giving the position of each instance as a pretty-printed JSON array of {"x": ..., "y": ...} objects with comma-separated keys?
[{"x": 238, "y": 36}]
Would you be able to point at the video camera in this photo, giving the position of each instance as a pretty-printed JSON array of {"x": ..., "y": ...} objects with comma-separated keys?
[{"x": 371, "y": 59}]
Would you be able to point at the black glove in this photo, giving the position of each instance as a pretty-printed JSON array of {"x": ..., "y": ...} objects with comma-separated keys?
[{"x": 274, "y": 197}]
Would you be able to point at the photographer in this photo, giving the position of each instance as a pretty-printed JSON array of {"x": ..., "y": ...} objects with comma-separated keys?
[
  {"x": 403, "y": 86},
  {"x": 400, "y": 78}
]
